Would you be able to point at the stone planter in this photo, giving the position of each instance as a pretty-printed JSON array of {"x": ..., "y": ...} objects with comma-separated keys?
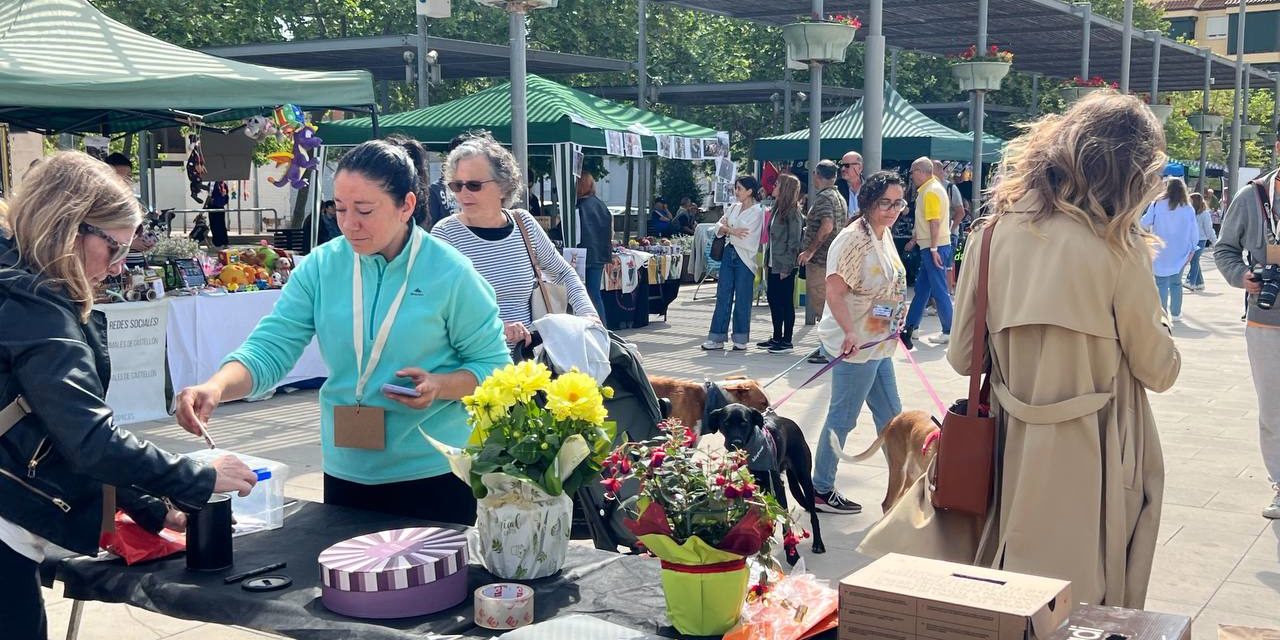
[
  {"x": 1267, "y": 138},
  {"x": 817, "y": 41},
  {"x": 1161, "y": 111},
  {"x": 531, "y": 4},
  {"x": 1249, "y": 131},
  {"x": 1074, "y": 94},
  {"x": 1204, "y": 122},
  {"x": 980, "y": 76}
]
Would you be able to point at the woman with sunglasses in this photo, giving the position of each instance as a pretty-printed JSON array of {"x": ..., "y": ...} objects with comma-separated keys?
[
  {"x": 486, "y": 181},
  {"x": 866, "y": 293},
  {"x": 389, "y": 305},
  {"x": 70, "y": 227}
]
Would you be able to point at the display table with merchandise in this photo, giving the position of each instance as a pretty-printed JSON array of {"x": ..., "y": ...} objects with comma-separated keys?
[
  {"x": 622, "y": 589},
  {"x": 189, "y": 336}
]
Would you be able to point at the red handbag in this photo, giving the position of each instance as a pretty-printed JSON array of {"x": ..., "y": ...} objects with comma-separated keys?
[{"x": 965, "y": 466}]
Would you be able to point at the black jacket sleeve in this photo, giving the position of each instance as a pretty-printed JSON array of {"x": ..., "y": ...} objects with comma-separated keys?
[{"x": 147, "y": 511}]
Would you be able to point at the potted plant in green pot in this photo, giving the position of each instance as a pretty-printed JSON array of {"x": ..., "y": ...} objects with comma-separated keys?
[
  {"x": 1205, "y": 122},
  {"x": 534, "y": 441},
  {"x": 1249, "y": 131},
  {"x": 818, "y": 40},
  {"x": 702, "y": 515},
  {"x": 981, "y": 70},
  {"x": 1267, "y": 138},
  {"x": 1081, "y": 87}
]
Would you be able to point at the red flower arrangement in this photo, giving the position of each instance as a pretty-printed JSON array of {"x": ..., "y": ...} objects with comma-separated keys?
[
  {"x": 993, "y": 53},
  {"x": 1095, "y": 82},
  {"x": 840, "y": 18}
]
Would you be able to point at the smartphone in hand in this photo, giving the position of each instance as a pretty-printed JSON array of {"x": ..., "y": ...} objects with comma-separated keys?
[{"x": 401, "y": 391}]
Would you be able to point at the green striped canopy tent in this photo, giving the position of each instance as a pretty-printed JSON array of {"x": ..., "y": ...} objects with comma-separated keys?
[
  {"x": 559, "y": 117},
  {"x": 66, "y": 67},
  {"x": 908, "y": 134}
]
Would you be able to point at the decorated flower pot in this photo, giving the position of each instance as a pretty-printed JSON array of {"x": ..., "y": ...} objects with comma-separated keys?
[
  {"x": 817, "y": 41},
  {"x": 531, "y": 4},
  {"x": 1161, "y": 111},
  {"x": 1249, "y": 131},
  {"x": 1075, "y": 94},
  {"x": 981, "y": 75},
  {"x": 704, "y": 587},
  {"x": 1204, "y": 122},
  {"x": 523, "y": 531}
]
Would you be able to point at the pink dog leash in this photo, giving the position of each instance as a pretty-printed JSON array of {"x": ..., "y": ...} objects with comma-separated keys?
[
  {"x": 830, "y": 365},
  {"x": 933, "y": 394}
]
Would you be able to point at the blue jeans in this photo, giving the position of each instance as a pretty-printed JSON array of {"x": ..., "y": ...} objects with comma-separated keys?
[
  {"x": 931, "y": 282},
  {"x": 1195, "y": 276},
  {"x": 1170, "y": 288},
  {"x": 595, "y": 273},
  {"x": 733, "y": 289},
  {"x": 870, "y": 382}
]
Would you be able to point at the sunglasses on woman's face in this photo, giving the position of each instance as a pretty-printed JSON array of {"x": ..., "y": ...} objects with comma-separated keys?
[
  {"x": 118, "y": 251},
  {"x": 471, "y": 185}
]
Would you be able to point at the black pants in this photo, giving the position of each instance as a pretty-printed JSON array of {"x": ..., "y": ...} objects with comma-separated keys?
[
  {"x": 781, "y": 291},
  {"x": 218, "y": 226},
  {"x": 21, "y": 605},
  {"x": 442, "y": 498}
]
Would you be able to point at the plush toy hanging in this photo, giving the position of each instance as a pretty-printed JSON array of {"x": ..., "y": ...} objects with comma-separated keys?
[
  {"x": 195, "y": 169},
  {"x": 258, "y": 128},
  {"x": 291, "y": 121}
]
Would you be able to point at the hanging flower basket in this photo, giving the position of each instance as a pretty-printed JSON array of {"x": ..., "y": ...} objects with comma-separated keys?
[
  {"x": 980, "y": 76},
  {"x": 1267, "y": 138},
  {"x": 1161, "y": 111},
  {"x": 1249, "y": 131},
  {"x": 527, "y": 4},
  {"x": 1075, "y": 94},
  {"x": 817, "y": 41},
  {"x": 1204, "y": 122}
]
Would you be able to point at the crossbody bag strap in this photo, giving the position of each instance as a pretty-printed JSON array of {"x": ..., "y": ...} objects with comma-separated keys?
[
  {"x": 533, "y": 260},
  {"x": 977, "y": 361},
  {"x": 12, "y": 414}
]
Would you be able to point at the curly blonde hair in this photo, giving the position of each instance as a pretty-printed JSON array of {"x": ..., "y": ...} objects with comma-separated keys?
[
  {"x": 45, "y": 215},
  {"x": 1099, "y": 163}
]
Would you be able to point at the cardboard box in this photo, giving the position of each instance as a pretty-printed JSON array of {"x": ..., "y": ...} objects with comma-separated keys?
[
  {"x": 906, "y": 598},
  {"x": 1090, "y": 622}
]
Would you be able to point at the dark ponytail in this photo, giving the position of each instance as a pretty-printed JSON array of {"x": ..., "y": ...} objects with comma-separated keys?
[
  {"x": 399, "y": 164},
  {"x": 750, "y": 183}
]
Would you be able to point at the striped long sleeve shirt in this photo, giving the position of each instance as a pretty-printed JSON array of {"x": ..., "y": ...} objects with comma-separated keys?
[{"x": 504, "y": 263}]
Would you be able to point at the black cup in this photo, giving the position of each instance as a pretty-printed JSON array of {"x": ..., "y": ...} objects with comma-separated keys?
[{"x": 209, "y": 535}]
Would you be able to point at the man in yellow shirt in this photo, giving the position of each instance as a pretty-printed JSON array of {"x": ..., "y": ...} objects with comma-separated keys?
[{"x": 933, "y": 239}]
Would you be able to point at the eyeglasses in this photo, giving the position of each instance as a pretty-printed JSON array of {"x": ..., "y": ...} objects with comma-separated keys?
[
  {"x": 471, "y": 185},
  {"x": 118, "y": 251},
  {"x": 846, "y": 165},
  {"x": 895, "y": 205}
]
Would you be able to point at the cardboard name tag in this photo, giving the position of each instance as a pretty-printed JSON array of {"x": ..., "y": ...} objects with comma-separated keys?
[{"x": 359, "y": 427}]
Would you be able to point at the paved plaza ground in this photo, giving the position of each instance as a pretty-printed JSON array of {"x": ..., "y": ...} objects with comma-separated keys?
[{"x": 1218, "y": 559}]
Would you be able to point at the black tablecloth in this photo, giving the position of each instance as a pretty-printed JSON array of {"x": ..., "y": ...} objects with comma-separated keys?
[
  {"x": 661, "y": 296},
  {"x": 622, "y": 589},
  {"x": 627, "y": 310}
]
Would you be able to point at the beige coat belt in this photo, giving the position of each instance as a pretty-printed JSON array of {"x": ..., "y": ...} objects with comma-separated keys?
[{"x": 1049, "y": 414}]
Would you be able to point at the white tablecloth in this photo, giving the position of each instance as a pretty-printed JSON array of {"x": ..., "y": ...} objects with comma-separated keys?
[{"x": 199, "y": 332}]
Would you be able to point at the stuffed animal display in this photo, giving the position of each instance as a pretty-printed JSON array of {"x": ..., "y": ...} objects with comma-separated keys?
[{"x": 195, "y": 169}]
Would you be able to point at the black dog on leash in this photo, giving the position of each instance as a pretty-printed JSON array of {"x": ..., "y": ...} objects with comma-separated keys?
[{"x": 774, "y": 445}]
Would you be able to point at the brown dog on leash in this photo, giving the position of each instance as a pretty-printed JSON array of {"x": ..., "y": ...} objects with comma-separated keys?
[
  {"x": 689, "y": 399},
  {"x": 903, "y": 440}
]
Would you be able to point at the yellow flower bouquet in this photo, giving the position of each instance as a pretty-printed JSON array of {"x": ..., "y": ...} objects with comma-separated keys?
[{"x": 534, "y": 441}]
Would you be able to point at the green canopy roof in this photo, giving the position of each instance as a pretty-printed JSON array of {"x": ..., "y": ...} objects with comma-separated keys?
[
  {"x": 557, "y": 114},
  {"x": 64, "y": 66},
  {"x": 908, "y": 134}
]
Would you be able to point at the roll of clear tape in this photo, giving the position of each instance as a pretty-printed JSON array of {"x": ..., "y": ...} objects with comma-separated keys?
[{"x": 504, "y": 606}]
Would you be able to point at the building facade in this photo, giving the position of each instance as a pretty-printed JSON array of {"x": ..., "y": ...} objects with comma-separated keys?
[{"x": 1213, "y": 24}]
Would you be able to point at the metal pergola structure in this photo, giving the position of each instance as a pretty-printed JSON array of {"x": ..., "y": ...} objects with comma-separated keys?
[
  {"x": 384, "y": 57},
  {"x": 1048, "y": 37},
  {"x": 782, "y": 93}
]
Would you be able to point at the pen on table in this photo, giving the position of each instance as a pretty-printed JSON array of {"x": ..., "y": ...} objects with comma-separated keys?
[{"x": 253, "y": 572}]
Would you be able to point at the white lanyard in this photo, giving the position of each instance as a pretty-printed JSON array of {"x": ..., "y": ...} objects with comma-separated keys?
[
  {"x": 357, "y": 308},
  {"x": 1269, "y": 208}
]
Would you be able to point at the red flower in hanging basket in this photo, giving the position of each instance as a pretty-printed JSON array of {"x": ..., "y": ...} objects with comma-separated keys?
[
  {"x": 992, "y": 53},
  {"x": 851, "y": 21}
]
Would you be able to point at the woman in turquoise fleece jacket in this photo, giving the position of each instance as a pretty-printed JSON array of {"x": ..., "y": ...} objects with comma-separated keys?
[{"x": 444, "y": 337}]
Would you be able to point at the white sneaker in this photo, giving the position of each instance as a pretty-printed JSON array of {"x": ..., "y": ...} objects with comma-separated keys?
[
  {"x": 712, "y": 345},
  {"x": 1273, "y": 510},
  {"x": 931, "y": 311},
  {"x": 1177, "y": 319},
  {"x": 939, "y": 340},
  {"x": 739, "y": 346}
]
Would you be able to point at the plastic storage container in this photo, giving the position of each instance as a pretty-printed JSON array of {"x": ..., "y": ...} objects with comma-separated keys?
[{"x": 263, "y": 508}]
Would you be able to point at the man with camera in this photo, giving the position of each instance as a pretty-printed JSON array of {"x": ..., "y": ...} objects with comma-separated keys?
[{"x": 1248, "y": 255}]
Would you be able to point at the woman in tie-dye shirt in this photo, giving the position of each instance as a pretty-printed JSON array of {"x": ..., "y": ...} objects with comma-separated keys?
[{"x": 866, "y": 294}]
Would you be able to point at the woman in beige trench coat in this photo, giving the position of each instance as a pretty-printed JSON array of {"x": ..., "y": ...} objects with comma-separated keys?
[{"x": 1077, "y": 337}]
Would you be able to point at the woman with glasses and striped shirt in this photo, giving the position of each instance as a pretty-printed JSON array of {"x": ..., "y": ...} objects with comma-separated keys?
[{"x": 485, "y": 180}]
